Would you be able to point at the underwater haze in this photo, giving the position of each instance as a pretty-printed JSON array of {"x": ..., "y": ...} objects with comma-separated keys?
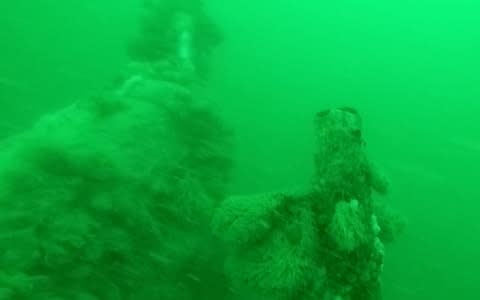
[{"x": 409, "y": 67}]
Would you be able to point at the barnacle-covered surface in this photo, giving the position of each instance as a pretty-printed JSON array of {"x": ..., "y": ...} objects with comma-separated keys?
[
  {"x": 323, "y": 243},
  {"x": 108, "y": 197},
  {"x": 111, "y": 197}
]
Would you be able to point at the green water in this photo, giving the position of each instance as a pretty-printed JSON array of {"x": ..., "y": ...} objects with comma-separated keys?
[{"x": 409, "y": 67}]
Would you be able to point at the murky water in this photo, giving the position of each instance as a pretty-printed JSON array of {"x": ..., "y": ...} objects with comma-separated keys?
[{"x": 409, "y": 67}]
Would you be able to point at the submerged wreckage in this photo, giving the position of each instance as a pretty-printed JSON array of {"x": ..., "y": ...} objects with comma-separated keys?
[{"x": 124, "y": 195}]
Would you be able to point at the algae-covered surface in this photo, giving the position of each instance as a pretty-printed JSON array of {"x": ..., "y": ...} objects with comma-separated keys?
[{"x": 208, "y": 149}]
